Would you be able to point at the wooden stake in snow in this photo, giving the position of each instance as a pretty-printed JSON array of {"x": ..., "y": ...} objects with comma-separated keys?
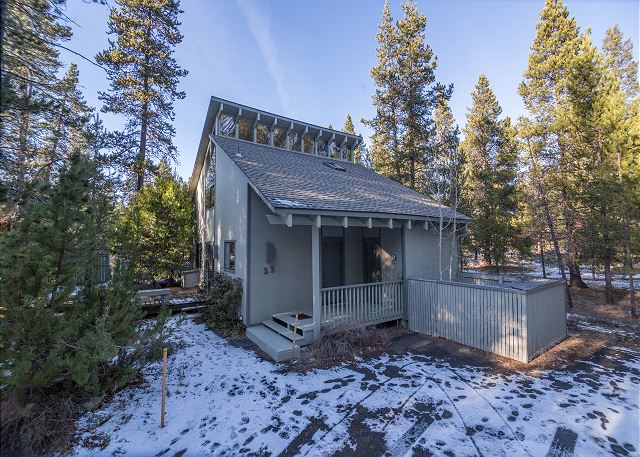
[
  {"x": 295, "y": 332},
  {"x": 164, "y": 384}
]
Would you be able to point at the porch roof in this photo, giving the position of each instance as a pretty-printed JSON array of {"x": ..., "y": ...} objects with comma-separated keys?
[{"x": 296, "y": 182}]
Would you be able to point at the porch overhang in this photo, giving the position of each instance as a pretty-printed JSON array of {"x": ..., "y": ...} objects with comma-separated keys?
[{"x": 351, "y": 219}]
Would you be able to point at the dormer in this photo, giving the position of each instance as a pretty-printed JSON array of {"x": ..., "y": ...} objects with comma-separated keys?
[{"x": 254, "y": 125}]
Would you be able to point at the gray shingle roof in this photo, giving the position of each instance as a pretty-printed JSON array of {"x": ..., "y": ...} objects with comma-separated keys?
[{"x": 292, "y": 180}]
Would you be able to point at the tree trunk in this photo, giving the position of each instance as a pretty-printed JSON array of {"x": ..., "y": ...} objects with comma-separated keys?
[
  {"x": 556, "y": 248},
  {"x": 575, "y": 278},
  {"x": 412, "y": 173},
  {"x": 608, "y": 286},
  {"x": 144, "y": 114},
  {"x": 143, "y": 147},
  {"x": 628, "y": 260},
  {"x": 544, "y": 268}
]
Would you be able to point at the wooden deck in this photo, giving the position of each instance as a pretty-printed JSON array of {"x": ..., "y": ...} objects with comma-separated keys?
[{"x": 178, "y": 299}]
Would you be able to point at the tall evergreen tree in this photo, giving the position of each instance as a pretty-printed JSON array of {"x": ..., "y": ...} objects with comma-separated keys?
[
  {"x": 490, "y": 159},
  {"x": 66, "y": 126},
  {"x": 385, "y": 139},
  {"x": 143, "y": 79},
  {"x": 544, "y": 90},
  {"x": 350, "y": 128},
  {"x": 348, "y": 125},
  {"x": 155, "y": 230},
  {"x": 619, "y": 120},
  {"x": 593, "y": 175},
  {"x": 618, "y": 59},
  {"x": 443, "y": 169},
  {"x": 29, "y": 91},
  {"x": 406, "y": 95}
]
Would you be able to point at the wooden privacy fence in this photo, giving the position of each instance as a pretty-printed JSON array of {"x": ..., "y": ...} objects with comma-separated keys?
[
  {"x": 365, "y": 304},
  {"x": 515, "y": 320}
]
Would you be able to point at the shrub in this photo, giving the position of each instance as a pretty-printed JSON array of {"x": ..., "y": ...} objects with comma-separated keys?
[
  {"x": 343, "y": 343},
  {"x": 65, "y": 338},
  {"x": 224, "y": 299}
]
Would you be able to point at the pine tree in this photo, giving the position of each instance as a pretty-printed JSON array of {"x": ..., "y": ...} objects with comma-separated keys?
[
  {"x": 143, "y": 79},
  {"x": 350, "y": 129},
  {"x": 385, "y": 139},
  {"x": 593, "y": 170},
  {"x": 67, "y": 125},
  {"x": 416, "y": 69},
  {"x": 490, "y": 159},
  {"x": 618, "y": 118},
  {"x": 29, "y": 91},
  {"x": 155, "y": 230},
  {"x": 348, "y": 125},
  {"x": 532, "y": 145},
  {"x": 544, "y": 90},
  {"x": 618, "y": 59},
  {"x": 50, "y": 251},
  {"x": 406, "y": 95}
]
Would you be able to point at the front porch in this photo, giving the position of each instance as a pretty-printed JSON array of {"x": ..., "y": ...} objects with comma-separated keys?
[
  {"x": 356, "y": 277},
  {"x": 366, "y": 304},
  {"x": 334, "y": 268}
]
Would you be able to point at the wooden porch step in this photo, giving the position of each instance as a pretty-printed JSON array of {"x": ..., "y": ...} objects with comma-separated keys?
[
  {"x": 273, "y": 344},
  {"x": 289, "y": 319},
  {"x": 302, "y": 337}
]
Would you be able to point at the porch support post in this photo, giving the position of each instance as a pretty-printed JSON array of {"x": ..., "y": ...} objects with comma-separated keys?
[
  {"x": 287, "y": 218},
  {"x": 405, "y": 295},
  {"x": 315, "y": 279}
]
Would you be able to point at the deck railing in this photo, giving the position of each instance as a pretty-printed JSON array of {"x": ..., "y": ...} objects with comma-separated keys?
[{"x": 366, "y": 304}]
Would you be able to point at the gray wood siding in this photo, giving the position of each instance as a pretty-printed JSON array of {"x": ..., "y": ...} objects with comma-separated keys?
[
  {"x": 512, "y": 323},
  {"x": 285, "y": 285},
  {"x": 422, "y": 254},
  {"x": 230, "y": 217},
  {"x": 391, "y": 245}
]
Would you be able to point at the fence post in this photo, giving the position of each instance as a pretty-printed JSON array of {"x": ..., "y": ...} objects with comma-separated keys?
[{"x": 164, "y": 385}]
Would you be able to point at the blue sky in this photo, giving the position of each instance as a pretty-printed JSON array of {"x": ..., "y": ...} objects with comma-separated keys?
[{"x": 311, "y": 60}]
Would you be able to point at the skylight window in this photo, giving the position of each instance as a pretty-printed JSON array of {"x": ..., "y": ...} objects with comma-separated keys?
[{"x": 334, "y": 166}]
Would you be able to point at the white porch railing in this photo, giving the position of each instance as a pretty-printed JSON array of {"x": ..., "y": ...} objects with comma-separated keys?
[{"x": 366, "y": 304}]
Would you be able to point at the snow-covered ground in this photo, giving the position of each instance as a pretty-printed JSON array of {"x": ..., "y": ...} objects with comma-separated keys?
[
  {"x": 224, "y": 400},
  {"x": 534, "y": 268}
]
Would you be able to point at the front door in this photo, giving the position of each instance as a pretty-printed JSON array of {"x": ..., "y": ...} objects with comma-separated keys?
[
  {"x": 372, "y": 270},
  {"x": 332, "y": 261}
]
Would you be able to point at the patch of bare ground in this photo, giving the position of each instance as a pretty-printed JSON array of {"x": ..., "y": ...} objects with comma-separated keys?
[
  {"x": 345, "y": 343},
  {"x": 591, "y": 303}
]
